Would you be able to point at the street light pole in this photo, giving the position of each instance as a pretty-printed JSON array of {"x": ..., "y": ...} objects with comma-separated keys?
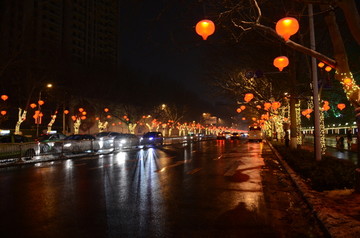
[
  {"x": 315, "y": 87},
  {"x": 37, "y": 119}
]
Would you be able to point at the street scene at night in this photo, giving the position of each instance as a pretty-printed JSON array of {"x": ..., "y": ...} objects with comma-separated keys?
[{"x": 205, "y": 118}]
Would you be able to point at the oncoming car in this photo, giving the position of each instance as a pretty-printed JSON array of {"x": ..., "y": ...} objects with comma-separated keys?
[
  {"x": 255, "y": 133},
  {"x": 152, "y": 138}
]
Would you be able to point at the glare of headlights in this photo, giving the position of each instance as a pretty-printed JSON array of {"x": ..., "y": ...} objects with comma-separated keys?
[
  {"x": 67, "y": 145},
  {"x": 123, "y": 141}
]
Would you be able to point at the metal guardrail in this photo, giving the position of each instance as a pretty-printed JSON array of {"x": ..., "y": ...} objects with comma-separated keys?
[{"x": 13, "y": 153}]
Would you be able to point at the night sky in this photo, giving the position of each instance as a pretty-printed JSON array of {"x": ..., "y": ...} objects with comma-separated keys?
[{"x": 160, "y": 38}]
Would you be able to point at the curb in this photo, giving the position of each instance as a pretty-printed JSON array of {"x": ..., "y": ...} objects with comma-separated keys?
[{"x": 333, "y": 223}]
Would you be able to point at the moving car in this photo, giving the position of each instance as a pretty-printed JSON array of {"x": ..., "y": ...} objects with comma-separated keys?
[
  {"x": 235, "y": 136},
  {"x": 106, "y": 139},
  {"x": 16, "y": 146},
  {"x": 255, "y": 133},
  {"x": 78, "y": 143},
  {"x": 124, "y": 141},
  {"x": 152, "y": 138},
  {"x": 47, "y": 141}
]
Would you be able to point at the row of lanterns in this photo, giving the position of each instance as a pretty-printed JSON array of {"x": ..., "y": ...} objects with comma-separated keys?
[{"x": 285, "y": 27}]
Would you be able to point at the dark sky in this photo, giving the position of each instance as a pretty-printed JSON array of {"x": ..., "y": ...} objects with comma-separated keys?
[{"x": 160, "y": 38}]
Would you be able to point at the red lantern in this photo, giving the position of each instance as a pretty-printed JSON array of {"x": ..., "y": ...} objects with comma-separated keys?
[
  {"x": 321, "y": 64},
  {"x": 66, "y": 112},
  {"x": 3, "y": 113},
  {"x": 325, "y": 107},
  {"x": 106, "y": 109},
  {"x": 73, "y": 118},
  {"x": 84, "y": 113},
  {"x": 341, "y": 106},
  {"x": 258, "y": 107},
  {"x": 108, "y": 116},
  {"x": 254, "y": 118},
  {"x": 41, "y": 102},
  {"x": 32, "y": 105},
  {"x": 242, "y": 107},
  {"x": 113, "y": 124},
  {"x": 4, "y": 97},
  {"x": 308, "y": 116},
  {"x": 304, "y": 113},
  {"x": 328, "y": 68},
  {"x": 267, "y": 105},
  {"x": 281, "y": 62},
  {"x": 287, "y": 27},
  {"x": 275, "y": 105},
  {"x": 83, "y": 117},
  {"x": 81, "y": 109},
  {"x": 243, "y": 118},
  {"x": 248, "y": 97},
  {"x": 205, "y": 28},
  {"x": 238, "y": 110},
  {"x": 97, "y": 118},
  {"x": 347, "y": 81}
]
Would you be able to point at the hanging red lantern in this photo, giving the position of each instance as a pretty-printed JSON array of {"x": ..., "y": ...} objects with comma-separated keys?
[
  {"x": 97, "y": 118},
  {"x": 66, "y": 112},
  {"x": 321, "y": 64},
  {"x": 267, "y": 105},
  {"x": 248, "y": 97},
  {"x": 304, "y": 113},
  {"x": 106, "y": 109},
  {"x": 275, "y": 105},
  {"x": 4, "y": 97},
  {"x": 341, "y": 106},
  {"x": 287, "y": 27},
  {"x": 308, "y": 116},
  {"x": 242, "y": 107},
  {"x": 83, "y": 117},
  {"x": 326, "y": 107},
  {"x": 73, "y": 118},
  {"x": 281, "y": 62},
  {"x": 347, "y": 81},
  {"x": 81, "y": 109},
  {"x": 41, "y": 102},
  {"x": 32, "y": 105},
  {"x": 205, "y": 28},
  {"x": 328, "y": 68},
  {"x": 3, "y": 112},
  {"x": 258, "y": 107},
  {"x": 254, "y": 118},
  {"x": 243, "y": 118},
  {"x": 108, "y": 116},
  {"x": 84, "y": 113},
  {"x": 238, "y": 110},
  {"x": 113, "y": 124}
]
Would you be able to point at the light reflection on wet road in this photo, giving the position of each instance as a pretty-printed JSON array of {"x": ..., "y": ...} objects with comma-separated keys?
[{"x": 206, "y": 189}]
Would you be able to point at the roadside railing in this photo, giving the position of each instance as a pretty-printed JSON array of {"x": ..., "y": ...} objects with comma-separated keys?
[{"x": 12, "y": 153}]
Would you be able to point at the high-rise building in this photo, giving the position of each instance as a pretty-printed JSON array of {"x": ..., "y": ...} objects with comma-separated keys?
[{"x": 75, "y": 32}]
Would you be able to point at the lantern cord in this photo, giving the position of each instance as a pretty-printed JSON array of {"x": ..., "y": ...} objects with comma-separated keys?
[{"x": 204, "y": 9}]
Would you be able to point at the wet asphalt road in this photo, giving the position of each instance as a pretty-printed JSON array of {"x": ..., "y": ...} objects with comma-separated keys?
[{"x": 206, "y": 189}]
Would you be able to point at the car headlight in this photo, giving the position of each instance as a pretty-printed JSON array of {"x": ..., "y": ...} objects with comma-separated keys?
[
  {"x": 123, "y": 141},
  {"x": 67, "y": 145}
]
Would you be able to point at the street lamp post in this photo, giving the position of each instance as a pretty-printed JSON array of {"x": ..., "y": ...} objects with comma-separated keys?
[{"x": 40, "y": 103}]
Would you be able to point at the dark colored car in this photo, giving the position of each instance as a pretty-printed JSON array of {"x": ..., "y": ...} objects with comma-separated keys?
[
  {"x": 14, "y": 146},
  {"x": 235, "y": 136},
  {"x": 78, "y": 143},
  {"x": 221, "y": 136},
  {"x": 47, "y": 141},
  {"x": 152, "y": 138}
]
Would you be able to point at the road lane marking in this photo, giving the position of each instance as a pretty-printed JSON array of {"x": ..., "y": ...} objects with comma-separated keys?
[
  {"x": 218, "y": 157},
  {"x": 172, "y": 165},
  {"x": 194, "y": 171}
]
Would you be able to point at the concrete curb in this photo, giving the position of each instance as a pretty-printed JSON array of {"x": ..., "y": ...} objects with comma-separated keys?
[{"x": 334, "y": 223}]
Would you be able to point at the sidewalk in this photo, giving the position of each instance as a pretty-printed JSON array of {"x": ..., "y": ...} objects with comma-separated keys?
[{"x": 337, "y": 210}]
